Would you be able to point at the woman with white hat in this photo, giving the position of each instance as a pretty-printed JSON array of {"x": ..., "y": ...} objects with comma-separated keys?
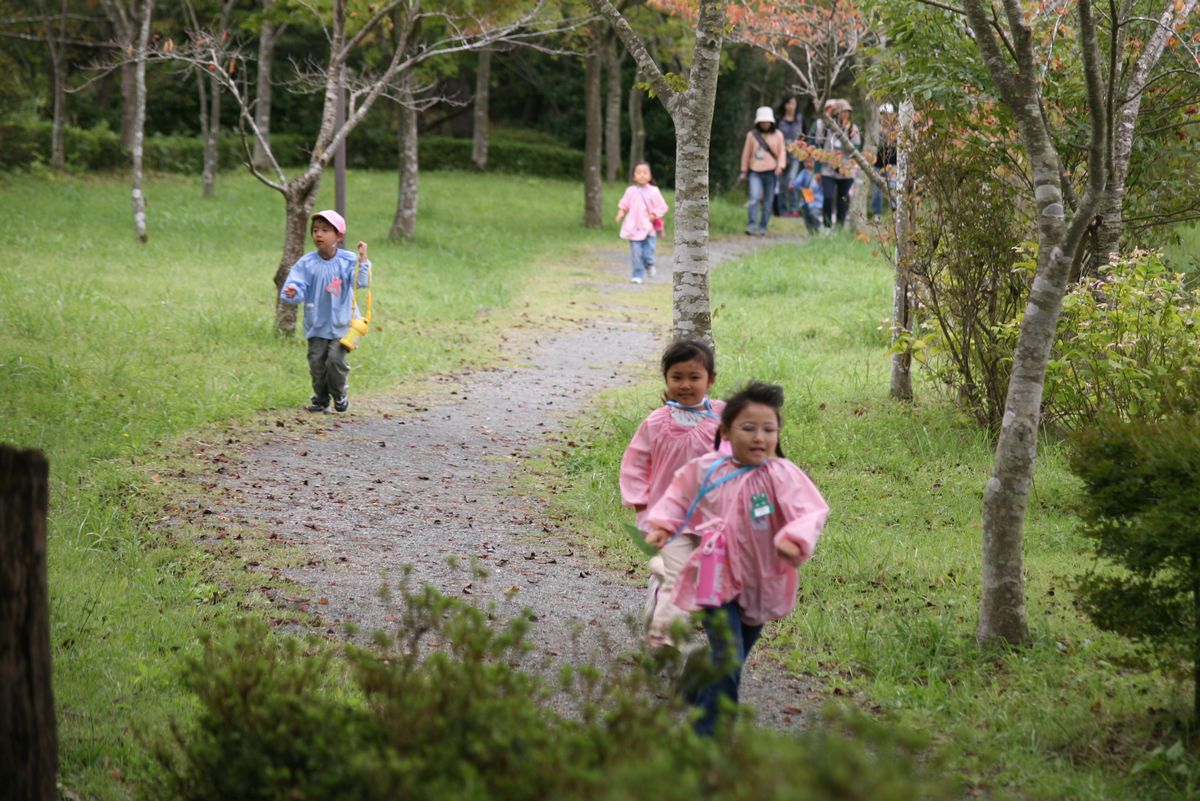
[{"x": 763, "y": 161}]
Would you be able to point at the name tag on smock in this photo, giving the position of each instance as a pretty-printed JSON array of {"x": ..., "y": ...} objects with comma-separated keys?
[{"x": 760, "y": 506}]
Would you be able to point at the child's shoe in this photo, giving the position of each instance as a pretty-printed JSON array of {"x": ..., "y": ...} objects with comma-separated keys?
[
  {"x": 341, "y": 404},
  {"x": 635, "y": 280},
  {"x": 651, "y": 271},
  {"x": 318, "y": 404}
]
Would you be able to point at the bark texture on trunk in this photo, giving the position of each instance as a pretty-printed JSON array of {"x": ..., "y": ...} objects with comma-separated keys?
[
  {"x": 901, "y": 384},
  {"x": 208, "y": 174},
  {"x": 298, "y": 203},
  {"x": 612, "y": 108},
  {"x": 28, "y": 732},
  {"x": 139, "y": 123},
  {"x": 58, "y": 151},
  {"x": 593, "y": 189},
  {"x": 404, "y": 225},
  {"x": 692, "y": 113},
  {"x": 1002, "y": 616},
  {"x": 262, "y": 108},
  {"x": 637, "y": 128},
  {"x": 479, "y": 133}
]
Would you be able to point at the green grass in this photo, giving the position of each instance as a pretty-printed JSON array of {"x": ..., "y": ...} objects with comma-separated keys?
[
  {"x": 889, "y": 604},
  {"x": 124, "y": 360}
]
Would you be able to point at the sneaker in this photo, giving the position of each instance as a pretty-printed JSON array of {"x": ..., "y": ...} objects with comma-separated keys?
[
  {"x": 341, "y": 404},
  {"x": 749, "y": 232},
  {"x": 635, "y": 280},
  {"x": 651, "y": 271},
  {"x": 317, "y": 407}
]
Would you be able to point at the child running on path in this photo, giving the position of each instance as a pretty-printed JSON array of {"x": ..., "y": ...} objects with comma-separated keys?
[
  {"x": 642, "y": 207},
  {"x": 321, "y": 280},
  {"x": 684, "y": 427},
  {"x": 759, "y": 519}
]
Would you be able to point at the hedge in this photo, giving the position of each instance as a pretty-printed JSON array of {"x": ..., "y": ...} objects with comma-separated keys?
[{"x": 27, "y": 144}]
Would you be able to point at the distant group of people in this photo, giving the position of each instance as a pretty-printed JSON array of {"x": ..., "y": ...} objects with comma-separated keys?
[{"x": 794, "y": 172}]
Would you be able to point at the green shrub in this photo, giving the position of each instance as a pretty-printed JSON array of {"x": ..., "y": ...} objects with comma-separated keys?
[
  {"x": 1141, "y": 510},
  {"x": 445, "y": 709},
  {"x": 1126, "y": 343}
]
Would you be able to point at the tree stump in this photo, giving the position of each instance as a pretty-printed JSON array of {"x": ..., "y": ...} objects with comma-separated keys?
[{"x": 28, "y": 738}]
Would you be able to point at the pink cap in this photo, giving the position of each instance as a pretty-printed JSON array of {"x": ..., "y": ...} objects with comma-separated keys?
[{"x": 333, "y": 218}]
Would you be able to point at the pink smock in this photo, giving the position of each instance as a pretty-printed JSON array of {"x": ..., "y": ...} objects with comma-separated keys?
[
  {"x": 637, "y": 203},
  {"x": 666, "y": 440},
  {"x": 767, "y": 582}
]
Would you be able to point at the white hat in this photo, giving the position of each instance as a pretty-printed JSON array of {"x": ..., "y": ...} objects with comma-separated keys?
[{"x": 764, "y": 114}]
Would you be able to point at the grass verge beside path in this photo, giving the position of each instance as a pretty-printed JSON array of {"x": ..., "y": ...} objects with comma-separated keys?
[
  {"x": 126, "y": 360},
  {"x": 889, "y": 604}
]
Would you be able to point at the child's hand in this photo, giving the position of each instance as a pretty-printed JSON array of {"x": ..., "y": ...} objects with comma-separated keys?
[
  {"x": 290, "y": 290},
  {"x": 620, "y": 214},
  {"x": 362, "y": 251},
  {"x": 658, "y": 537},
  {"x": 789, "y": 551}
]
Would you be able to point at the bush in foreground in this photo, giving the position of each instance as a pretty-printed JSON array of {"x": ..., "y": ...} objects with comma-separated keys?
[{"x": 445, "y": 708}]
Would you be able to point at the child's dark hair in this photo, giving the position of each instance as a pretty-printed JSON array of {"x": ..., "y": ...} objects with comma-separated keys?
[
  {"x": 647, "y": 165},
  {"x": 754, "y": 392},
  {"x": 686, "y": 350}
]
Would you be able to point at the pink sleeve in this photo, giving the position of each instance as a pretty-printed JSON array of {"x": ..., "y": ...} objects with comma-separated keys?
[
  {"x": 635, "y": 469},
  {"x": 802, "y": 507},
  {"x": 668, "y": 513},
  {"x": 659, "y": 204},
  {"x": 623, "y": 203}
]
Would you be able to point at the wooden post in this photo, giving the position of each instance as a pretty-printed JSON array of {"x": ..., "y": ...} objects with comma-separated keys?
[{"x": 28, "y": 738}]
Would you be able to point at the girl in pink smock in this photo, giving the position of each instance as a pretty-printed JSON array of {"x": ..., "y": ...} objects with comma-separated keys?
[
  {"x": 642, "y": 207},
  {"x": 758, "y": 517},
  {"x": 684, "y": 427}
]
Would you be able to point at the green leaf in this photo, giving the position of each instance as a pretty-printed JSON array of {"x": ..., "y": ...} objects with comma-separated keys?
[{"x": 639, "y": 539}]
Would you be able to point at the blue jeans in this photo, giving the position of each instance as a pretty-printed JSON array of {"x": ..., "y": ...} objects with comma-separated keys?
[
  {"x": 731, "y": 641},
  {"x": 641, "y": 254},
  {"x": 762, "y": 195},
  {"x": 791, "y": 200},
  {"x": 877, "y": 197}
]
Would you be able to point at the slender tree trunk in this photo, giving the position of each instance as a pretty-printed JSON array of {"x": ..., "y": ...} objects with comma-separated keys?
[
  {"x": 58, "y": 151},
  {"x": 861, "y": 195},
  {"x": 612, "y": 109},
  {"x": 593, "y": 190},
  {"x": 262, "y": 109},
  {"x": 139, "y": 124},
  {"x": 901, "y": 388},
  {"x": 637, "y": 128},
  {"x": 405, "y": 223},
  {"x": 479, "y": 134},
  {"x": 298, "y": 201},
  {"x": 28, "y": 733},
  {"x": 128, "y": 104},
  {"x": 211, "y": 131}
]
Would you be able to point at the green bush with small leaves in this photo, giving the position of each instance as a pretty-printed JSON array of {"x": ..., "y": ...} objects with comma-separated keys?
[{"x": 446, "y": 708}]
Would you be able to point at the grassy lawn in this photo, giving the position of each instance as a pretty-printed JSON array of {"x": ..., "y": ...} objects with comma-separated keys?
[
  {"x": 890, "y": 602},
  {"x": 126, "y": 360}
]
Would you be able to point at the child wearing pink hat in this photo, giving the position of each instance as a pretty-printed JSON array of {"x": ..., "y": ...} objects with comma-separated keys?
[{"x": 321, "y": 280}]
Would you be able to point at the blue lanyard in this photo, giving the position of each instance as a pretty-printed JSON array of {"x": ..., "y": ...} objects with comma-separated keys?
[
  {"x": 705, "y": 407},
  {"x": 708, "y": 485}
]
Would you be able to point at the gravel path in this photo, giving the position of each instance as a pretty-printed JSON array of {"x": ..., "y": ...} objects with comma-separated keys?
[{"x": 441, "y": 481}]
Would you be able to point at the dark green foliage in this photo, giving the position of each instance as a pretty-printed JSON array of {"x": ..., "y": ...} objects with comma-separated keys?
[
  {"x": 447, "y": 709},
  {"x": 1141, "y": 509},
  {"x": 372, "y": 148}
]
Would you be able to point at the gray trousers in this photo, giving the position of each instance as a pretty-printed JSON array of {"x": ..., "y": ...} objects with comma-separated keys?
[{"x": 329, "y": 369}]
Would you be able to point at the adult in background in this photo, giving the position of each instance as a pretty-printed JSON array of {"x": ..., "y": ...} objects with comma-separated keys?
[
  {"x": 838, "y": 169},
  {"x": 885, "y": 158},
  {"x": 763, "y": 161},
  {"x": 791, "y": 125}
]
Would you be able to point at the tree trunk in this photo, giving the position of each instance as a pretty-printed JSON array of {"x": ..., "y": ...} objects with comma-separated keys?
[
  {"x": 262, "y": 108},
  {"x": 28, "y": 734},
  {"x": 901, "y": 388},
  {"x": 637, "y": 128},
  {"x": 479, "y": 134},
  {"x": 139, "y": 121},
  {"x": 58, "y": 158},
  {"x": 129, "y": 112},
  {"x": 612, "y": 109},
  {"x": 405, "y": 223},
  {"x": 298, "y": 200},
  {"x": 212, "y": 131},
  {"x": 861, "y": 194},
  {"x": 593, "y": 190}
]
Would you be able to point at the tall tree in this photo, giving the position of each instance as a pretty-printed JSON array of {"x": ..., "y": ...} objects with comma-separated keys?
[
  {"x": 140, "y": 54},
  {"x": 613, "y": 57},
  {"x": 55, "y": 26},
  {"x": 124, "y": 16},
  {"x": 209, "y": 88},
  {"x": 404, "y": 224},
  {"x": 593, "y": 189},
  {"x": 268, "y": 35},
  {"x": 689, "y": 102},
  {"x": 637, "y": 126},
  {"x": 479, "y": 128}
]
